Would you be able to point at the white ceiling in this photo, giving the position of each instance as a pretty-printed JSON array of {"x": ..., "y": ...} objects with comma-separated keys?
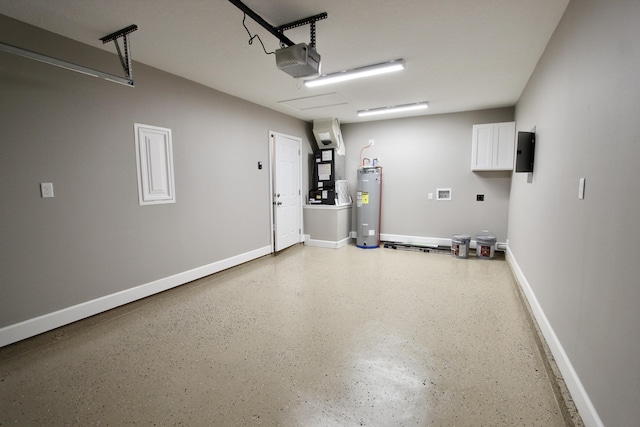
[{"x": 460, "y": 55}]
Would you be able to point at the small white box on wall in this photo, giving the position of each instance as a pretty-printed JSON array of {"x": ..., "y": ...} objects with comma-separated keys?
[
  {"x": 154, "y": 159},
  {"x": 443, "y": 193}
]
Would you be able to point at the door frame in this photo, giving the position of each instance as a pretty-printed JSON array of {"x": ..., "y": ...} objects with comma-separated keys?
[{"x": 272, "y": 171}]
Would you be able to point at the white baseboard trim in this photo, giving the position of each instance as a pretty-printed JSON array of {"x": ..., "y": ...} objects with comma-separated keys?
[
  {"x": 579, "y": 395},
  {"x": 31, "y": 327},
  {"x": 326, "y": 243}
]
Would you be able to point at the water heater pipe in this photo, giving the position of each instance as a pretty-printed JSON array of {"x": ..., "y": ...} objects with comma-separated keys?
[{"x": 371, "y": 142}]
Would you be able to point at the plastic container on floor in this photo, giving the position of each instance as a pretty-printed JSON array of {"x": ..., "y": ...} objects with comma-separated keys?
[
  {"x": 485, "y": 245},
  {"x": 460, "y": 246}
]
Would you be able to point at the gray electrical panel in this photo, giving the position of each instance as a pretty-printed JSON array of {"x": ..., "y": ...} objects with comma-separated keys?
[{"x": 368, "y": 207}]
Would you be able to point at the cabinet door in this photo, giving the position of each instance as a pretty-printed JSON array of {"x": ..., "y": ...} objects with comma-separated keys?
[
  {"x": 503, "y": 145},
  {"x": 482, "y": 147}
]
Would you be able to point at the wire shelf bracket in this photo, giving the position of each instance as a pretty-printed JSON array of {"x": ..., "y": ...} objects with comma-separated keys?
[{"x": 125, "y": 58}]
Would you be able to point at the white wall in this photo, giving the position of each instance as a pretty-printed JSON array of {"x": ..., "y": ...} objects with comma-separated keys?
[
  {"x": 421, "y": 154},
  {"x": 580, "y": 258}
]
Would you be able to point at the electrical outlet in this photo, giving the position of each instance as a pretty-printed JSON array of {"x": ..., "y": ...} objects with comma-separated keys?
[
  {"x": 46, "y": 189},
  {"x": 480, "y": 197}
]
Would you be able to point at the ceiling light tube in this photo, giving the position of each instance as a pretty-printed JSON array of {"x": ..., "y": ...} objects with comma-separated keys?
[
  {"x": 356, "y": 73},
  {"x": 393, "y": 109}
]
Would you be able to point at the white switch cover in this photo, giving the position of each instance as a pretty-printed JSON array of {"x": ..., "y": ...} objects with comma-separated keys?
[
  {"x": 581, "y": 189},
  {"x": 430, "y": 196},
  {"x": 46, "y": 189}
]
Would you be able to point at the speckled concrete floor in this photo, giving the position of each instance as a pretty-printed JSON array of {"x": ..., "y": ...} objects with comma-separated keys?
[{"x": 310, "y": 337}]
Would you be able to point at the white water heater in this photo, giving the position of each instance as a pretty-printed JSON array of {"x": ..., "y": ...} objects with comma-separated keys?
[{"x": 368, "y": 198}]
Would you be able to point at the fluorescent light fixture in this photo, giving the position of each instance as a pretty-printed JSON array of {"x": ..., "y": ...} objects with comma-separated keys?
[
  {"x": 393, "y": 109},
  {"x": 356, "y": 73}
]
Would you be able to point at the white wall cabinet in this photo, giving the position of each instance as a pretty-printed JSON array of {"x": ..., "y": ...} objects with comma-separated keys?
[{"x": 493, "y": 146}]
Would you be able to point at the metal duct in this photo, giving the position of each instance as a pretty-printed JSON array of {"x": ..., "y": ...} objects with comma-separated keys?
[{"x": 328, "y": 135}]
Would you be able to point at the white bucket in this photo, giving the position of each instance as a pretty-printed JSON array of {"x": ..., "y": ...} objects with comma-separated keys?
[
  {"x": 485, "y": 245},
  {"x": 460, "y": 246}
]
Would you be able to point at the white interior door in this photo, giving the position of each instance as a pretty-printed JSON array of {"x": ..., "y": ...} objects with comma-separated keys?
[{"x": 286, "y": 194}]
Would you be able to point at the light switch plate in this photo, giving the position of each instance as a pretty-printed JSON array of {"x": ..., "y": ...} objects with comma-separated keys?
[
  {"x": 581, "y": 189},
  {"x": 46, "y": 189}
]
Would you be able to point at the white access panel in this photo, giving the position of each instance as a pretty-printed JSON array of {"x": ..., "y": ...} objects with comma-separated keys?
[{"x": 154, "y": 158}]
